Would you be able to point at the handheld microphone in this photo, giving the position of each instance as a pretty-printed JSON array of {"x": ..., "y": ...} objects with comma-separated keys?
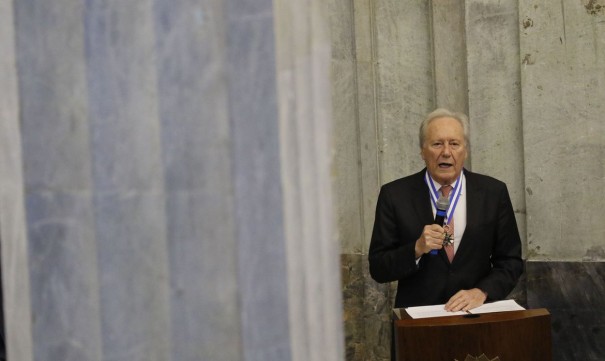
[{"x": 441, "y": 206}]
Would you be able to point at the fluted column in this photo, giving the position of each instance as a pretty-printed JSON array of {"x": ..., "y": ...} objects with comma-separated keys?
[{"x": 166, "y": 181}]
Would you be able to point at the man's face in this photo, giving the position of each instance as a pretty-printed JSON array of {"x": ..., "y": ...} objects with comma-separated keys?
[{"x": 444, "y": 149}]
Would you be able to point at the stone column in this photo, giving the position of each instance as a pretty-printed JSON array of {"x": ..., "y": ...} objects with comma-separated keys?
[
  {"x": 449, "y": 54},
  {"x": 494, "y": 92},
  {"x": 476, "y": 52},
  {"x": 381, "y": 91},
  {"x": 13, "y": 235},
  {"x": 562, "y": 61},
  {"x": 166, "y": 181},
  {"x": 58, "y": 198},
  {"x": 306, "y": 149}
]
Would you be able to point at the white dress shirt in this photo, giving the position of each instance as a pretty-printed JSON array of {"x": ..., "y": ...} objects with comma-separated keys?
[{"x": 459, "y": 212}]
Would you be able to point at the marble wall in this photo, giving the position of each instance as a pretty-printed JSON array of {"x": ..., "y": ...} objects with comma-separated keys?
[
  {"x": 372, "y": 111},
  {"x": 529, "y": 74},
  {"x": 573, "y": 294},
  {"x": 163, "y": 194},
  {"x": 563, "y": 85}
]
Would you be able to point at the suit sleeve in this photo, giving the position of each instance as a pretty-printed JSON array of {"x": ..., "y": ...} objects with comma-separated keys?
[
  {"x": 506, "y": 259},
  {"x": 391, "y": 258}
]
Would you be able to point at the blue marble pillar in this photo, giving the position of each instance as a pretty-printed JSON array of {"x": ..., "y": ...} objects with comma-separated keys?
[
  {"x": 57, "y": 179},
  {"x": 197, "y": 158},
  {"x": 143, "y": 192},
  {"x": 128, "y": 187}
]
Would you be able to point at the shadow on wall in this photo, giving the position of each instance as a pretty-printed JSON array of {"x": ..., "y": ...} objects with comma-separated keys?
[{"x": 2, "y": 342}]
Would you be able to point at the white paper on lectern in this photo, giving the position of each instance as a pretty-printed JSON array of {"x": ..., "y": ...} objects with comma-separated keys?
[
  {"x": 498, "y": 306},
  {"x": 431, "y": 311},
  {"x": 439, "y": 310}
]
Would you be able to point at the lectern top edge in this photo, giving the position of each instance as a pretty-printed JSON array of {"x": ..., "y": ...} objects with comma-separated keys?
[{"x": 462, "y": 320}]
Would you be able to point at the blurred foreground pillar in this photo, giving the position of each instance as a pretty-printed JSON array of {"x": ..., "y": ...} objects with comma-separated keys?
[{"x": 165, "y": 181}]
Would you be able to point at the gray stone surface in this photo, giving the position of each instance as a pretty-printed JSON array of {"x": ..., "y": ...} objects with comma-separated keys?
[
  {"x": 391, "y": 91},
  {"x": 197, "y": 162},
  {"x": 347, "y": 194},
  {"x": 14, "y": 254},
  {"x": 306, "y": 153},
  {"x": 346, "y": 157},
  {"x": 367, "y": 311},
  {"x": 64, "y": 281},
  {"x": 122, "y": 97},
  {"x": 573, "y": 293},
  {"x": 52, "y": 84},
  {"x": 563, "y": 72},
  {"x": 492, "y": 39},
  {"x": 531, "y": 77},
  {"x": 257, "y": 190},
  {"x": 133, "y": 285},
  {"x": 367, "y": 115},
  {"x": 448, "y": 34},
  {"x": 128, "y": 184},
  {"x": 56, "y": 178},
  {"x": 405, "y": 85},
  {"x": 353, "y": 302},
  {"x": 378, "y": 308}
]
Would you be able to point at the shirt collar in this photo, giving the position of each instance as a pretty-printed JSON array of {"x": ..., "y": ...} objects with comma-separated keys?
[{"x": 461, "y": 178}]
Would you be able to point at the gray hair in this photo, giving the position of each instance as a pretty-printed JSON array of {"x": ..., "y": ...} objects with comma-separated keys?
[{"x": 445, "y": 113}]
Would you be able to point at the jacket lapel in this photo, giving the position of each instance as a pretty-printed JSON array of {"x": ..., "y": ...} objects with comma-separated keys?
[{"x": 421, "y": 200}]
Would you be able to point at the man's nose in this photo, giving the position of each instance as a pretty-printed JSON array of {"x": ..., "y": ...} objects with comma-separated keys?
[{"x": 447, "y": 150}]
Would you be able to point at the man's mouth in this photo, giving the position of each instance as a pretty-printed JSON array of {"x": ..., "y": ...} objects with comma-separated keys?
[{"x": 445, "y": 165}]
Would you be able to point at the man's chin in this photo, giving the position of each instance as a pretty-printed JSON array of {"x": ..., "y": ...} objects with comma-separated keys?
[{"x": 445, "y": 176}]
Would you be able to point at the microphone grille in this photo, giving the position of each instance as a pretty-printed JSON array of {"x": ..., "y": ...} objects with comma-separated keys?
[{"x": 443, "y": 203}]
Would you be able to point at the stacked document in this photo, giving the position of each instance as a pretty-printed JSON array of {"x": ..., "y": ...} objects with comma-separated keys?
[{"x": 439, "y": 310}]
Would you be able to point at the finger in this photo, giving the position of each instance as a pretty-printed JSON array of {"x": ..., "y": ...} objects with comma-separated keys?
[
  {"x": 471, "y": 304},
  {"x": 432, "y": 241},
  {"x": 457, "y": 301},
  {"x": 437, "y": 229},
  {"x": 474, "y": 301},
  {"x": 455, "y": 306},
  {"x": 463, "y": 305},
  {"x": 439, "y": 236},
  {"x": 434, "y": 228},
  {"x": 437, "y": 243},
  {"x": 451, "y": 305}
]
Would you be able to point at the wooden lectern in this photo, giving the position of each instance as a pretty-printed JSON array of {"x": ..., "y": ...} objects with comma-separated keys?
[{"x": 511, "y": 336}]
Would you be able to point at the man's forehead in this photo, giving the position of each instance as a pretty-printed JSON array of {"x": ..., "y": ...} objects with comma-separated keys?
[{"x": 445, "y": 134}]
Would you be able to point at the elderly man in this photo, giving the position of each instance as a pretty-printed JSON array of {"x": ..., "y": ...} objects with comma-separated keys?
[{"x": 475, "y": 256}]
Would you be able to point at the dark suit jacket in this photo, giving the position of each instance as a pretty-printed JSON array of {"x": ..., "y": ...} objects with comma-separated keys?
[{"x": 489, "y": 255}]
